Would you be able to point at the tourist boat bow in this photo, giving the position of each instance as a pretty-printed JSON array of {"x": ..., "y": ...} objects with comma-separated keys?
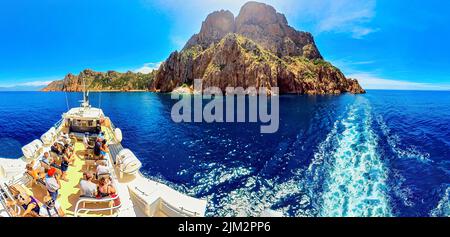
[{"x": 138, "y": 195}]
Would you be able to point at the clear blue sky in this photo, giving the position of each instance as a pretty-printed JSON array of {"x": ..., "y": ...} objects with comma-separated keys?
[{"x": 386, "y": 44}]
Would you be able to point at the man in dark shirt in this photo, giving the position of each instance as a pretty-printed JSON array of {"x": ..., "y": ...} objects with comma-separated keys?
[
  {"x": 97, "y": 146},
  {"x": 55, "y": 148}
]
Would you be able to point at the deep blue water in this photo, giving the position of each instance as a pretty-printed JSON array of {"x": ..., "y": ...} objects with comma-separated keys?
[{"x": 386, "y": 153}]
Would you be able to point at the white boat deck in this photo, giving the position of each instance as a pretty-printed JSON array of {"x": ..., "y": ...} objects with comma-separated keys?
[
  {"x": 161, "y": 200},
  {"x": 139, "y": 196}
]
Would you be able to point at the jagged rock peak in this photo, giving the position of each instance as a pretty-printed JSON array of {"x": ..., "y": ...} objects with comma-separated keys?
[
  {"x": 261, "y": 23},
  {"x": 259, "y": 14},
  {"x": 214, "y": 28}
]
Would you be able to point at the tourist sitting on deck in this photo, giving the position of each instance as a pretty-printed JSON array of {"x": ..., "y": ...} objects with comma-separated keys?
[
  {"x": 36, "y": 174},
  {"x": 65, "y": 166},
  {"x": 46, "y": 158},
  {"x": 56, "y": 148},
  {"x": 51, "y": 208},
  {"x": 69, "y": 152},
  {"x": 103, "y": 149},
  {"x": 87, "y": 146},
  {"x": 48, "y": 161},
  {"x": 86, "y": 140},
  {"x": 105, "y": 188},
  {"x": 97, "y": 148},
  {"x": 52, "y": 183},
  {"x": 29, "y": 204},
  {"x": 102, "y": 169},
  {"x": 64, "y": 138},
  {"x": 68, "y": 148},
  {"x": 87, "y": 187},
  {"x": 101, "y": 136}
]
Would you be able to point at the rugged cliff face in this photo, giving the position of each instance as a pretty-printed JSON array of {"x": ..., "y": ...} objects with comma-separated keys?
[
  {"x": 99, "y": 81},
  {"x": 256, "y": 49}
]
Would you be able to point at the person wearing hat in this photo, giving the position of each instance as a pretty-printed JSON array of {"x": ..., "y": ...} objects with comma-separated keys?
[
  {"x": 87, "y": 187},
  {"x": 51, "y": 208},
  {"x": 52, "y": 183}
]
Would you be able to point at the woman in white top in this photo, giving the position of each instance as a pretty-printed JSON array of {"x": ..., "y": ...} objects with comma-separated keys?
[{"x": 102, "y": 168}]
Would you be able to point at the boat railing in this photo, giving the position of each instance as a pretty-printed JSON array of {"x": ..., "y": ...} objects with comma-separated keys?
[
  {"x": 19, "y": 179},
  {"x": 81, "y": 208},
  {"x": 57, "y": 124},
  {"x": 5, "y": 195},
  {"x": 113, "y": 127},
  {"x": 179, "y": 211}
]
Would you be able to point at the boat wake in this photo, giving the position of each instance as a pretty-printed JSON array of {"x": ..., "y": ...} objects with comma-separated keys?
[
  {"x": 348, "y": 175},
  {"x": 443, "y": 207},
  {"x": 394, "y": 142},
  {"x": 351, "y": 172}
]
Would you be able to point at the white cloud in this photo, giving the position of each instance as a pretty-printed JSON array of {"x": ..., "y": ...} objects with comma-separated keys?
[
  {"x": 28, "y": 84},
  {"x": 372, "y": 81},
  {"x": 360, "y": 32},
  {"x": 352, "y": 17},
  {"x": 35, "y": 83},
  {"x": 148, "y": 68}
]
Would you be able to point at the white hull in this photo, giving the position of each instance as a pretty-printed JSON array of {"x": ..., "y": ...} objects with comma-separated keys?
[{"x": 139, "y": 196}]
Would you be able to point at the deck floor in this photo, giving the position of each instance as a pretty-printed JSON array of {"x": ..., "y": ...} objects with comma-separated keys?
[{"x": 69, "y": 194}]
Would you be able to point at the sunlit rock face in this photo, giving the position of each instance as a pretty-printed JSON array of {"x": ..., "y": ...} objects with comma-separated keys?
[
  {"x": 258, "y": 48},
  {"x": 264, "y": 25}
]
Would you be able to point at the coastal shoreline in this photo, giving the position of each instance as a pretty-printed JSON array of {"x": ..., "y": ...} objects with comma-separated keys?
[{"x": 104, "y": 91}]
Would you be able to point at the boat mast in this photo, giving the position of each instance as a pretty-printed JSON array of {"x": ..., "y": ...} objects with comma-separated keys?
[{"x": 85, "y": 103}]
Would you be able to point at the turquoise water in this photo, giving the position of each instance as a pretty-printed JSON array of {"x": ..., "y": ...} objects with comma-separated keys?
[{"x": 386, "y": 153}]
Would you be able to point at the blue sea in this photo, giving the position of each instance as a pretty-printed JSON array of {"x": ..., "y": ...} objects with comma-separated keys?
[{"x": 386, "y": 153}]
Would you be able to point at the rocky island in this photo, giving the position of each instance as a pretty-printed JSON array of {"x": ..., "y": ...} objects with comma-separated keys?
[
  {"x": 99, "y": 81},
  {"x": 257, "y": 48}
]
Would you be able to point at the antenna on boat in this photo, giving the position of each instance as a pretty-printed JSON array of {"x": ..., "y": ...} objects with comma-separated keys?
[
  {"x": 100, "y": 100},
  {"x": 85, "y": 103},
  {"x": 65, "y": 92}
]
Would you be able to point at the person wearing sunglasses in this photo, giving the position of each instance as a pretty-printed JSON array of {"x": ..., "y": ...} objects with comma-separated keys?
[
  {"x": 29, "y": 204},
  {"x": 51, "y": 208}
]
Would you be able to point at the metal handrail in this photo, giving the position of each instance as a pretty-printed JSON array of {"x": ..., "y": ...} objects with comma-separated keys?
[
  {"x": 94, "y": 200},
  {"x": 4, "y": 190},
  {"x": 189, "y": 211},
  {"x": 4, "y": 202},
  {"x": 180, "y": 210},
  {"x": 111, "y": 124},
  {"x": 57, "y": 124}
]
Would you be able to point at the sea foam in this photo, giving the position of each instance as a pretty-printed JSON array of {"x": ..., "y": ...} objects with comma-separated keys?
[{"x": 355, "y": 176}]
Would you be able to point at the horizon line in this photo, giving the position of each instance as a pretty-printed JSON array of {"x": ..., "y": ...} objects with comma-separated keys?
[{"x": 106, "y": 91}]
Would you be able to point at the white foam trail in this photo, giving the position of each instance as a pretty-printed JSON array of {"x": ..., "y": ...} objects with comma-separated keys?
[
  {"x": 394, "y": 142},
  {"x": 443, "y": 207},
  {"x": 356, "y": 177}
]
